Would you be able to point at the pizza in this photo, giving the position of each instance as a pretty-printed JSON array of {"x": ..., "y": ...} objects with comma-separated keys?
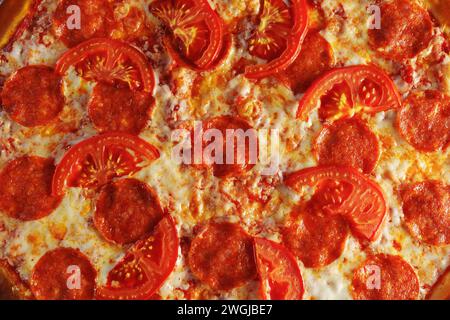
[{"x": 225, "y": 149}]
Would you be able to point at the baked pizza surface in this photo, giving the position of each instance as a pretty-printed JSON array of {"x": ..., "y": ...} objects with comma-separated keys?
[{"x": 115, "y": 179}]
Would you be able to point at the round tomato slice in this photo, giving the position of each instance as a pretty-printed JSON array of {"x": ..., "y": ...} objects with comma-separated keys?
[
  {"x": 278, "y": 36},
  {"x": 94, "y": 162},
  {"x": 345, "y": 191},
  {"x": 145, "y": 267},
  {"x": 196, "y": 31},
  {"x": 441, "y": 289},
  {"x": 110, "y": 61},
  {"x": 279, "y": 272},
  {"x": 344, "y": 92}
]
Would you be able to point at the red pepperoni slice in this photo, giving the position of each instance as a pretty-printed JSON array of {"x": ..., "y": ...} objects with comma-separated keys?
[
  {"x": 126, "y": 210},
  {"x": 385, "y": 277},
  {"x": 242, "y": 147},
  {"x": 317, "y": 239},
  {"x": 424, "y": 120},
  {"x": 222, "y": 256},
  {"x": 63, "y": 274},
  {"x": 96, "y": 19},
  {"x": 406, "y": 29},
  {"x": 25, "y": 188},
  {"x": 348, "y": 142},
  {"x": 119, "y": 109},
  {"x": 33, "y": 96},
  {"x": 315, "y": 58},
  {"x": 426, "y": 206}
]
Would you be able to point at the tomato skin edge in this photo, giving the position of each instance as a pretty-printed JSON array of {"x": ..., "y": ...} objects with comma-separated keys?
[
  {"x": 104, "y": 293},
  {"x": 217, "y": 27},
  {"x": 63, "y": 168},
  {"x": 308, "y": 177},
  {"x": 310, "y": 99},
  {"x": 81, "y": 51},
  {"x": 291, "y": 53},
  {"x": 260, "y": 243},
  {"x": 180, "y": 61}
]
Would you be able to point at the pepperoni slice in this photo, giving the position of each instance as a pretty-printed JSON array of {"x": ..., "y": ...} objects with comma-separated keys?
[
  {"x": 316, "y": 57},
  {"x": 316, "y": 238},
  {"x": 119, "y": 109},
  {"x": 424, "y": 120},
  {"x": 385, "y": 277},
  {"x": 348, "y": 142},
  {"x": 63, "y": 274},
  {"x": 426, "y": 206},
  {"x": 25, "y": 188},
  {"x": 222, "y": 256},
  {"x": 126, "y": 210},
  {"x": 33, "y": 96},
  {"x": 245, "y": 147},
  {"x": 96, "y": 19},
  {"x": 406, "y": 29}
]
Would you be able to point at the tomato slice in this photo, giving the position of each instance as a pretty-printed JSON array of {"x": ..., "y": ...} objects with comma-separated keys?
[
  {"x": 441, "y": 289},
  {"x": 278, "y": 37},
  {"x": 182, "y": 62},
  {"x": 344, "y": 92},
  {"x": 345, "y": 191},
  {"x": 195, "y": 30},
  {"x": 145, "y": 267},
  {"x": 110, "y": 61},
  {"x": 95, "y": 161},
  {"x": 279, "y": 272}
]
